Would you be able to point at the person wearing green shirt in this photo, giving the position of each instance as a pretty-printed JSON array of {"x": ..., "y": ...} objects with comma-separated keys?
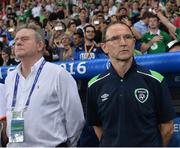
[{"x": 156, "y": 40}]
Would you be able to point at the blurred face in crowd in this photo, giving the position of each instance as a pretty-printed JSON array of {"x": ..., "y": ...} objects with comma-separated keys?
[
  {"x": 77, "y": 39},
  {"x": 91, "y": 1},
  {"x": 73, "y": 28},
  {"x": 92, "y": 6},
  {"x": 121, "y": 12},
  {"x": 103, "y": 2},
  {"x": 119, "y": 43},
  {"x": 113, "y": 18},
  {"x": 100, "y": 8},
  {"x": 153, "y": 23},
  {"x": 83, "y": 13},
  {"x": 65, "y": 40},
  {"x": 169, "y": 6},
  {"x": 105, "y": 9},
  {"x": 111, "y": 3},
  {"x": 135, "y": 6},
  {"x": 57, "y": 41},
  {"x": 26, "y": 44},
  {"x": 75, "y": 9},
  {"x": 89, "y": 33},
  {"x": 9, "y": 10},
  {"x": 59, "y": 29},
  {"x": 100, "y": 18},
  {"x": 11, "y": 23},
  {"x": 4, "y": 56}
]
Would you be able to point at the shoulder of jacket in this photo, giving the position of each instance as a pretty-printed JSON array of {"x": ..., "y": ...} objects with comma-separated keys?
[{"x": 151, "y": 73}]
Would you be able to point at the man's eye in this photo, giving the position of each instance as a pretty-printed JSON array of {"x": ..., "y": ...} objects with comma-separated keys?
[
  {"x": 115, "y": 38},
  {"x": 128, "y": 37},
  {"x": 24, "y": 39}
]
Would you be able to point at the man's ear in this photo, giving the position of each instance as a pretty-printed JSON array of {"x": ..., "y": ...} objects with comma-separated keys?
[
  {"x": 104, "y": 48},
  {"x": 41, "y": 46}
]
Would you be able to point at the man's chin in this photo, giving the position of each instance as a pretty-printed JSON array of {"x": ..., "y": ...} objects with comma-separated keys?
[
  {"x": 19, "y": 56},
  {"x": 124, "y": 58}
]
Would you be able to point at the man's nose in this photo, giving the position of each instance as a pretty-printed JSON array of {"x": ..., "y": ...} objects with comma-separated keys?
[
  {"x": 122, "y": 40},
  {"x": 18, "y": 42}
]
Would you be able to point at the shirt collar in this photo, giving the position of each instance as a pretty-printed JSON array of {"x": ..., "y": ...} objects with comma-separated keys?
[
  {"x": 131, "y": 69},
  {"x": 157, "y": 33},
  {"x": 33, "y": 68}
]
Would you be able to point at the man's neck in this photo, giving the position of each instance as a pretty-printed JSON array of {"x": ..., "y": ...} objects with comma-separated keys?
[
  {"x": 121, "y": 67},
  {"x": 89, "y": 42},
  {"x": 154, "y": 30},
  {"x": 26, "y": 65}
]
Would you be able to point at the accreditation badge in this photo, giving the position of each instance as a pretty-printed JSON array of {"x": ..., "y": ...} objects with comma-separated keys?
[{"x": 17, "y": 127}]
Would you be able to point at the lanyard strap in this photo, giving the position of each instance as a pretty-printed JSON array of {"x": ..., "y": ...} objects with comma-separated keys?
[{"x": 32, "y": 88}]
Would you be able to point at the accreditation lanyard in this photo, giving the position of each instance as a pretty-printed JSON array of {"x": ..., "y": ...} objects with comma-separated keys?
[{"x": 32, "y": 88}]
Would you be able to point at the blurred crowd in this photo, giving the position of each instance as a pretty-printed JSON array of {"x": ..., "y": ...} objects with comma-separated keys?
[{"x": 73, "y": 28}]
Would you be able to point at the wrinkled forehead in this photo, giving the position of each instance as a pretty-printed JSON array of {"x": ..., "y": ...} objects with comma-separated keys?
[
  {"x": 118, "y": 29},
  {"x": 25, "y": 32}
]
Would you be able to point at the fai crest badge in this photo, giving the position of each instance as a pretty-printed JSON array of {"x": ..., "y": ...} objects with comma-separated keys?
[{"x": 141, "y": 94}]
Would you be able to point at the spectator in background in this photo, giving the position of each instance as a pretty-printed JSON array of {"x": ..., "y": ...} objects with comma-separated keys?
[
  {"x": 155, "y": 40},
  {"x": 177, "y": 19},
  {"x": 61, "y": 11},
  {"x": 58, "y": 29},
  {"x": 71, "y": 29},
  {"x": 47, "y": 53},
  {"x": 112, "y": 8},
  {"x": 36, "y": 10},
  {"x": 49, "y": 6},
  {"x": 10, "y": 30},
  {"x": 105, "y": 11},
  {"x": 65, "y": 51},
  {"x": 122, "y": 11},
  {"x": 11, "y": 23},
  {"x": 170, "y": 5},
  {"x": 10, "y": 14},
  {"x": 83, "y": 19},
  {"x": 173, "y": 46},
  {"x": 173, "y": 29},
  {"x": 90, "y": 49},
  {"x": 55, "y": 45},
  {"x": 6, "y": 56},
  {"x": 142, "y": 25},
  {"x": 97, "y": 23},
  {"x": 113, "y": 19},
  {"x": 78, "y": 41},
  {"x": 135, "y": 9},
  {"x": 103, "y": 2},
  {"x": 75, "y": 11},
  {"x": 1, "y": 26},
  {"x": 128, "y": 22}
]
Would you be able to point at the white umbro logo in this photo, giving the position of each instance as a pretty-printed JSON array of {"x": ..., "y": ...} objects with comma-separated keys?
[{"x": 105, "y": 97}]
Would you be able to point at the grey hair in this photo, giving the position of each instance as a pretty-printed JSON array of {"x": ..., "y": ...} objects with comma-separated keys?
[{"x": 39, "y": 33}]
